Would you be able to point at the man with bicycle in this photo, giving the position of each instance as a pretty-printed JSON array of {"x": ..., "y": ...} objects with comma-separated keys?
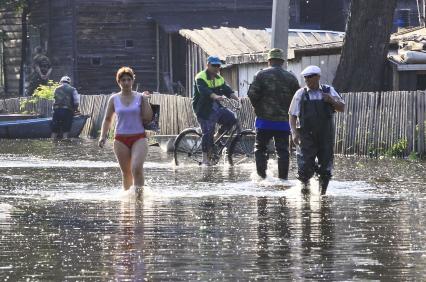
[
  {"x": 270, "y": 95},
  {"x": 209, "y": 89}
]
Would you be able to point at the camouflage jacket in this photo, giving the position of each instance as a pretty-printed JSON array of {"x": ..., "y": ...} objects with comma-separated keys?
[{"x": 271, "y": 93}]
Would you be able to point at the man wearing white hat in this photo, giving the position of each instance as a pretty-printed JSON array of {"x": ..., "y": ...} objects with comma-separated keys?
[
  {"x": 66, "y": 102},
  {"x": 312, "y": 127}
]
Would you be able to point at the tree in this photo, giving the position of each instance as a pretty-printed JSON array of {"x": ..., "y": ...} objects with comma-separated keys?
[{"x": 365, "y": 47}]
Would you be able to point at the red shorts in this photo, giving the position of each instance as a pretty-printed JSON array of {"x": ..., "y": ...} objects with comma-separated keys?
[{"x": 129, "y": 140}]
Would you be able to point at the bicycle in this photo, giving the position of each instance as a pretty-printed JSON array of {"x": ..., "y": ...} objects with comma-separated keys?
[{"x": 236, "y": 143}]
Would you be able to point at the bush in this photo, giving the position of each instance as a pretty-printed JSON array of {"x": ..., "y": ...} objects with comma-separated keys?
[
  {"x": 413, "y": 156},
  {"x": 398, "y": 149},
  {"x": 46, "y": 92}
]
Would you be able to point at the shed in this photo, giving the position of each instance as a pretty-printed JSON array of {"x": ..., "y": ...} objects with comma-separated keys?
[
  {"x": 244, "y": 52},
  {"x": 404, "y": 73}
]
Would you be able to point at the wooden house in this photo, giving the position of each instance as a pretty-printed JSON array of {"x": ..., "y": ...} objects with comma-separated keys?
[
  {"x": 10, "y": 52},
  {"x": 90, "y": 40}
]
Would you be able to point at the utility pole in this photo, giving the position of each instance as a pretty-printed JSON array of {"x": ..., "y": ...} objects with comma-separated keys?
[
  {"x": 424, "y": 13},
  {"x": 419, "y": 12},
  {"x": 280, "y": 24}
]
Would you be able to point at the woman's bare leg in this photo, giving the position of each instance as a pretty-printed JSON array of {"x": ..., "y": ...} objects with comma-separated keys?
[
  {"x": 139, "y": 153},
  {"x": 123, "y": 155}
]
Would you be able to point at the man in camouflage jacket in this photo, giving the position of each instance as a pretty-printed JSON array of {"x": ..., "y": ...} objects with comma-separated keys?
[{"x": 270, "y": 94}]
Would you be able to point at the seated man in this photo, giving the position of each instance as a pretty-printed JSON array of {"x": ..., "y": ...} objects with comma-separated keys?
[{"x": 209, "y": 88}]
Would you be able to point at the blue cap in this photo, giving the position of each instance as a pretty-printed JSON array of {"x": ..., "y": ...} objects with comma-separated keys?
[{"x": 214, "y": 60}]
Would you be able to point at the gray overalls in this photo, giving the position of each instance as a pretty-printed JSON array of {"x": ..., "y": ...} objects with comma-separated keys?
[{"x": 316, "y": 139}]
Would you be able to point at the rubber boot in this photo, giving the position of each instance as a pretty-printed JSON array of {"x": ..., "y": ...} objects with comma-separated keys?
[
  {"x": 261, "y": 169},
  {"x": 261, "y": 163},
  {"x": 283, "y": 169},
  {"x": 305, "y": 187},
  {"x": 205, "y": 159},
  {"x": 323, "y": 184}
]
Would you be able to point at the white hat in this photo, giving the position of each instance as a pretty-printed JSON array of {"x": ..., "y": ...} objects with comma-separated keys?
[
  {"x": 310, "y": 70},
  {"x": 66, "y": 79}
]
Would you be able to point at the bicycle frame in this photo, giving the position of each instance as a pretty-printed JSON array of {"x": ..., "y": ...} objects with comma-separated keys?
[
  {"x": 231, "y": 133},
  {"x": 225, "y": 140},
  {"x": 218, "y": 145}
]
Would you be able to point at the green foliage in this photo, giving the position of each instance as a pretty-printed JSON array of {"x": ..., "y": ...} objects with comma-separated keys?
[
  {"x": 398, "y": 149},
  {"x": 17, "y": 5},
  {"x": 46, "y": 91},
  {"x": 376, "y": 151},
  {"x": 413, "y": 156},
  {"x": 43, "y": 92},
  {"x": 372, "y": 151}
]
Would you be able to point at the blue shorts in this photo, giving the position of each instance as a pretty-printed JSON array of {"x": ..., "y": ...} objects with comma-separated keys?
[{"x": 62, "y": 120}]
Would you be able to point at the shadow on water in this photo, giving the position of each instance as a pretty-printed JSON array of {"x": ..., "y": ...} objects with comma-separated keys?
[{"x": 63, "y": 217}]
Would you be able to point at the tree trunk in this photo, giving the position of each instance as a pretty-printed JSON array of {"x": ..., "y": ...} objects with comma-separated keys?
[{"x": 365, "y": 48}]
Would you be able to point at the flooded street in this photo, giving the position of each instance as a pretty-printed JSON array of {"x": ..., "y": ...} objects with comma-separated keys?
[{"x": 63, "y": 217}]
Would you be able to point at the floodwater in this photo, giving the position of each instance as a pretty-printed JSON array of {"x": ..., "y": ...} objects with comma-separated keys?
[{"x": 63, "y": 217}]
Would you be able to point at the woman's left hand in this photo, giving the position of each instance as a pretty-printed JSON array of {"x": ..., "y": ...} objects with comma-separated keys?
[{"x": 101, "y": 142}]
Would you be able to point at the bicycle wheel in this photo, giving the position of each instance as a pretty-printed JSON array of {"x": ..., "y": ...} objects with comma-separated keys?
[
  {"x": 187, "y": 147},
  {"x": 242, "y": 148}
]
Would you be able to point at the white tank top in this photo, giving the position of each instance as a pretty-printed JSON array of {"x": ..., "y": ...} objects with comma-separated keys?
[{"x": 129, "y": 119}]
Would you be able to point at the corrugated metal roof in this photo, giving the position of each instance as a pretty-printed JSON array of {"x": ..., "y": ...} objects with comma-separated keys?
[
  {"x": 410, "y": 42},
  {"x": 225, "y": 41},
  {"x": 417, "y": 34},
  {"x": 408, "y": 33}
]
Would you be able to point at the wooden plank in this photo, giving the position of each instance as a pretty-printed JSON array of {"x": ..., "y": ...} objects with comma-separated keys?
[{"x": 421, "y": 110}]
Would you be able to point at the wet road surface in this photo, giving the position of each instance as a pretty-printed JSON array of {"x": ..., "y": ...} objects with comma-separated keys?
[{"x": 63, "y": 217}]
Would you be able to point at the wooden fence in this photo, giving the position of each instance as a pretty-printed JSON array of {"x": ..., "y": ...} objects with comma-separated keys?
[{"x": 372, "y": 123}]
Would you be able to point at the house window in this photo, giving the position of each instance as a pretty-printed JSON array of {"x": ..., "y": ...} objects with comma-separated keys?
[
  {"x": 128, "y": 43},
  {"x": 403, "y": 17},
  {"x": 96, "y": 61}
]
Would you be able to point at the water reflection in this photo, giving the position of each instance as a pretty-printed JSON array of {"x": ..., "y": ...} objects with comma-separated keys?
[
  {"x": 62, "y": 217},
  {"x": 128, "y": 241}
]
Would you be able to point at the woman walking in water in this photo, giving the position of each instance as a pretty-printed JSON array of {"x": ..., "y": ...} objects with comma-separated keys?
[{"x": 130, "y": 144}]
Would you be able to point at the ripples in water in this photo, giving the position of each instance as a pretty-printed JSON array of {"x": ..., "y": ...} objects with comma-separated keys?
[{"x": 63, "y": 217}]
